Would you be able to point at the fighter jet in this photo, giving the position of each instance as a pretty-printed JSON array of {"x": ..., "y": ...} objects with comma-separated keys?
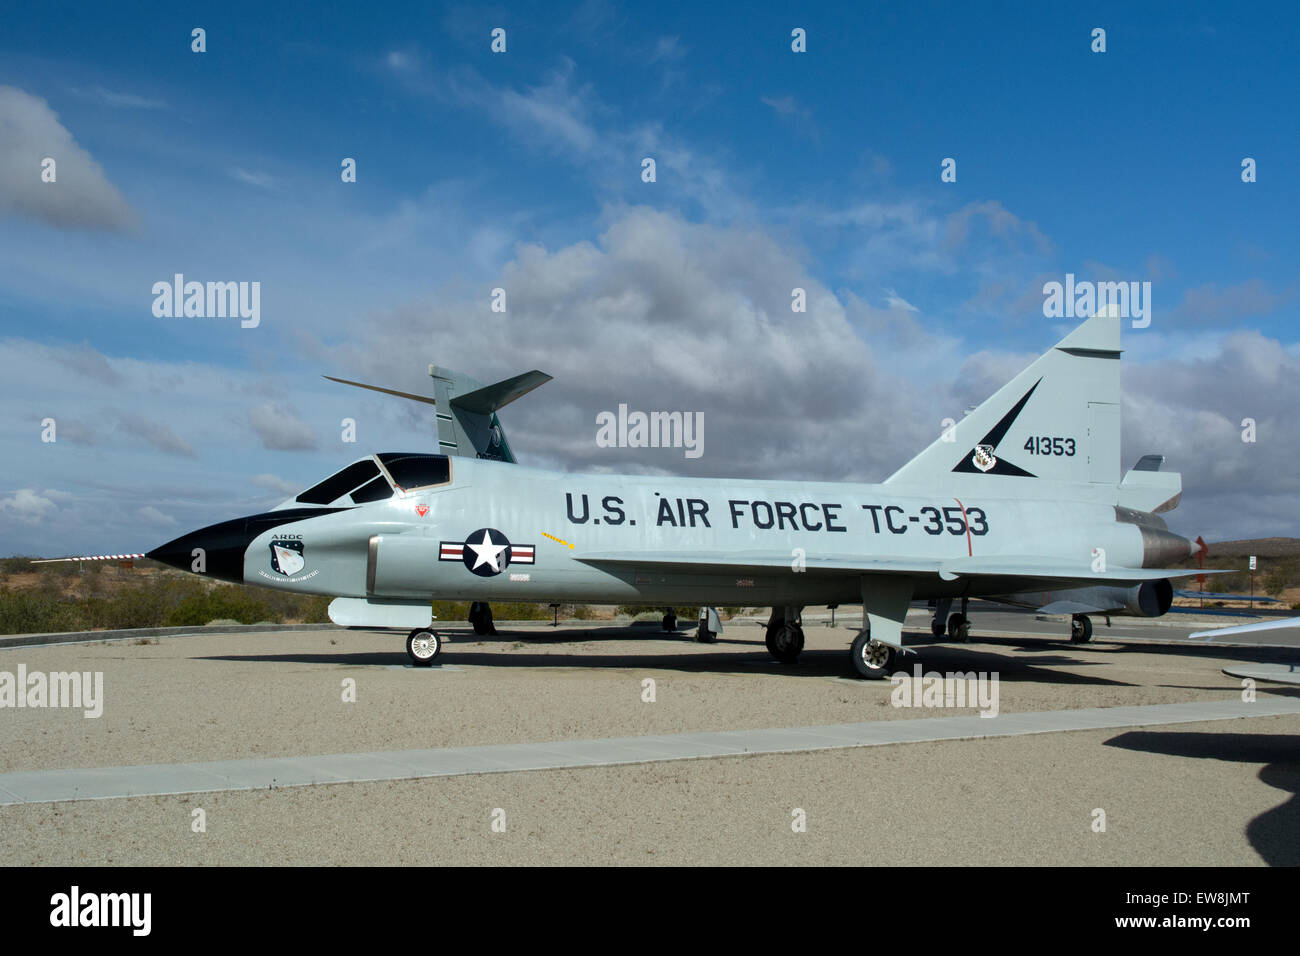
[{"x": 1022, "y": 496}]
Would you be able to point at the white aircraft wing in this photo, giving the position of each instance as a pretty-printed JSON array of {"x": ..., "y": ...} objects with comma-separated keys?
[
  {"x": 1247, "y": 628},
  {"x": 1032, "y": 572}
]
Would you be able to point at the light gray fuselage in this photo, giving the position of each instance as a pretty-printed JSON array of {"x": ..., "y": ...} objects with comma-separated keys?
[{"x": 388, "y": 550}]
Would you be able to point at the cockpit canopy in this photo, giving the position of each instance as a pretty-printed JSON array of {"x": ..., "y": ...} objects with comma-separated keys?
[{"x": 375, "y": 478}]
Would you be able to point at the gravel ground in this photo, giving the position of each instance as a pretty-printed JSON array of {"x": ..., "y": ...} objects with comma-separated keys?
[
  {"x": 1214, "y": 793},
  {"x": 281, "y": 694},
  {"x": 1218, "y": 793}
]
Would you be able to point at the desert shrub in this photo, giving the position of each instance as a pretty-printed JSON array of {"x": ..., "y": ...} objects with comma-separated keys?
[
  {"x": 219, "y": 603},
  {"x": 632, "y": 610},
  {"x": 1280, "y": 575},
  {"x": 16, "y": 565},
  {"x": 31, "y": 612},
  {"x": 520, "y": 611},
  {"x": 453, "y": 611}
]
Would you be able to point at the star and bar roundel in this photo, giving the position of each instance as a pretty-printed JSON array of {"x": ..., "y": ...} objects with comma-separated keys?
[{"x": 486, "y": 552}]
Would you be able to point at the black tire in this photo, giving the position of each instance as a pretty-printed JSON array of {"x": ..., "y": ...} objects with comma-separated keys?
[
  {"x": 785, "y": 647},
  {"x": 936, "y": 627},
  {"x": 670, "y": 623},
  {"x": 1080, "y": 629},
  {"x": 954, "y": 624},
  {"x": 423, "y": 646},
  {"x": 871, "y": 659},
  {"x": 704, "y": 635}
]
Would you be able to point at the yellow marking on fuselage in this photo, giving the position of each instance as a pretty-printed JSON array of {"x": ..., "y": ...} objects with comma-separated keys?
[{"x": 561, "y": 540}]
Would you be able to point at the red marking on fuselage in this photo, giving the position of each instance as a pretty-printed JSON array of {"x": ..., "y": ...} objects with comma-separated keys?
[{"x": 966, "y": 523}]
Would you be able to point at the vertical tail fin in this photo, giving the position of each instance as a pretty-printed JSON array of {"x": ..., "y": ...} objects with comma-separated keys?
[
  {"x": 1059, "y": 419},
  {"x": 467, "y": 419}
]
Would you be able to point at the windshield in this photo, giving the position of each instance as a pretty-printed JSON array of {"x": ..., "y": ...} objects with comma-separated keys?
[
  {"x": 340, "y": 483},
  {"x": 411, "y": 470},
  {"x": 366, "y": 482}
]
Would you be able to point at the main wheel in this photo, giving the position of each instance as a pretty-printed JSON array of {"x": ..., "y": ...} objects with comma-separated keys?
[
  {"x": 1080, "y": 629},
  {"x": 872, "y": 659},
  {"x": 480, "y": 615},
  {"x": 785, "y": 642},
  {"x": 936, "y": 627},
  {"x": 958, "y": 627},
  {"x": 670, "y": 622},
  {"x": 423, "y": 646}
]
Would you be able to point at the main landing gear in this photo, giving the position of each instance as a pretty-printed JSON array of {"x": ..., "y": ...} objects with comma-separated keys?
[
  {"x": 785, "y": 634},
  {"x": 709, "y": 626},
  {"x": 669, "y": 622},
  {"x": 480, "y": 615},
  {"x": 872, "y": 659},
  {"x": 958, "y": 625},
  {"x": 1080, "y": 629},
  {"x": 423, "y": 646}
]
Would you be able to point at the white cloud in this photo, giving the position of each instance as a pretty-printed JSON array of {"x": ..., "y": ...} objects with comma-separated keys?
[
  {"x": 27, "y": 505},
  {"x": 80, "y": 196},
  {"x": 254, "y": 178},
  {"x": 154, "y": 433},
  {"x": 556, "y": 111},
  {"x": 118, "y": 100},
  {"x": 788, "y": 107},
  {"x": 895, "y": 301},
  {"x": 668, "y": 48},
  {"x": 682, "y": 317},
  {"x": 152, "y": 515},
  {"x": 400, "y": 62},
  {"x": 280, "y": 428},
  {"x": 275, "y": 484}
]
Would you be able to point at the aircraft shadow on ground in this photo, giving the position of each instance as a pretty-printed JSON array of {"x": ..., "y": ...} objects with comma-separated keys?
[
  {"x": 726, "y": 656},
  {"x": 1275, "y": 834},
  {"x": 1099, "y": 646}
]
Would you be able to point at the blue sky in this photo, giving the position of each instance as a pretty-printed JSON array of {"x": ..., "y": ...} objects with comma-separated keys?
[{"x": 522, "y": 170}]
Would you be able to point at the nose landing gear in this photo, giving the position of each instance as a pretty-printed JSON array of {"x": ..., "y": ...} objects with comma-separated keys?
[{"x": 423, "y": 646}]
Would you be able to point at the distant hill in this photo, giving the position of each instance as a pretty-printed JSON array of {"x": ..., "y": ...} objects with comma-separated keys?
[{"x": 1260, "y": 547}]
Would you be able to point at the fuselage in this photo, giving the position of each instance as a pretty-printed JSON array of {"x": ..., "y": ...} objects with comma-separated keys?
[{"x": 494, "y": 531}]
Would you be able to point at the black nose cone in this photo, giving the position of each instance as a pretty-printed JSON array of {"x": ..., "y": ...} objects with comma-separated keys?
[{"x": 216, "y": 551}]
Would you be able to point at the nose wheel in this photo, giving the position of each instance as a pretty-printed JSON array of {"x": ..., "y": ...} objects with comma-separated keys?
[
  {"x": 1080, "y": 629},
  {"x": 423, "y": 647}
]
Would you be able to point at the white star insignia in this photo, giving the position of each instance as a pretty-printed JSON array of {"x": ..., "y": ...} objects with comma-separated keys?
[{"x": 487, "y": 552}]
